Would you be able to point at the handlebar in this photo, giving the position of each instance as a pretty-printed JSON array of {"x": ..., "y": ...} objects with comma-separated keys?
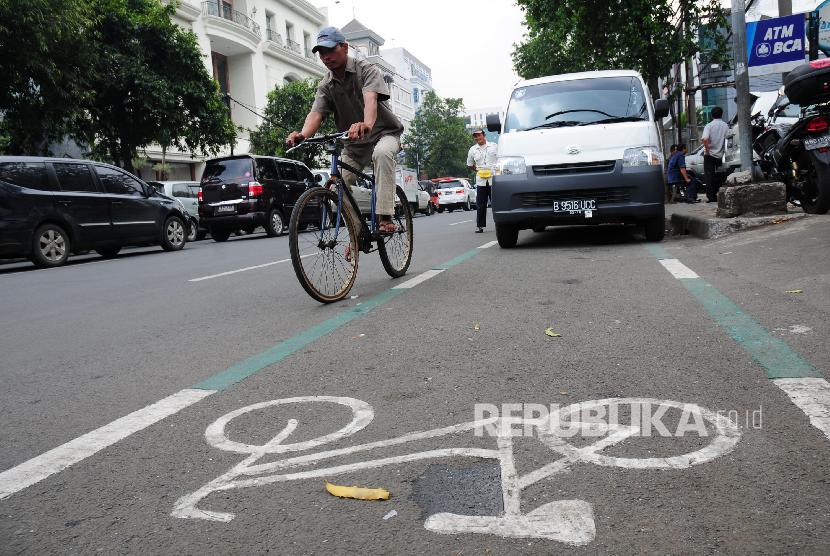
[{"x": 319, "y": 139}]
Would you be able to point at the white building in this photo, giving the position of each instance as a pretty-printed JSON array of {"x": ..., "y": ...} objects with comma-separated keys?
[
  {"x": 250, "y": 47},
  {"x": 477, "y": 117},
  {"x": 418, "y": 73},
  {"x": 365, "y": 44}
]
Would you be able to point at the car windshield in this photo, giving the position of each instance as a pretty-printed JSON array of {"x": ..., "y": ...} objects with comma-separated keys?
[
  {"x": 576, "y": 102},
  {"x": 450, "y": 184},
  {"x": 228, "y": 170}
]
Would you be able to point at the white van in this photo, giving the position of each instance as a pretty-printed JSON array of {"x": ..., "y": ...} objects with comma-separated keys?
[{"x": 579, "y": 148}]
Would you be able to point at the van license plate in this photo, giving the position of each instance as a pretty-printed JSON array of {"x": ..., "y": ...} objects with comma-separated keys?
[
  {"x": 224, "y": 209},
  {"x": 812, "y": 143},
  {"x": 575, "y": 206}
]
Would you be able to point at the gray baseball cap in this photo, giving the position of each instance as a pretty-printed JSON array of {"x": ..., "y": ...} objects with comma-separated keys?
[{"x": 328, "y": 37}]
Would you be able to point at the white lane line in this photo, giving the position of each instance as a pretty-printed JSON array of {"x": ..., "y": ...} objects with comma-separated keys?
[
  {"x": 488, "y": 244},
  {"x": 812, "y": 395},
  {"x": 678, "y": 269},
  {"x": 38, "y": 468},
  {"x": 462, "y": 222},
  {"x": 418, "y": 279},
  {"x": 228, "y": 273}
]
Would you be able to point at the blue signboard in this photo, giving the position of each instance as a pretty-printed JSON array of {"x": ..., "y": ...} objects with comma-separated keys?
[{"x": 778, "y": 42}]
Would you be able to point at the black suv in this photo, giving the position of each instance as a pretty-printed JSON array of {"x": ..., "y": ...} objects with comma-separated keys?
[
  {"x": 246, "y": 191},
  {"x": 51, "y": 207}
]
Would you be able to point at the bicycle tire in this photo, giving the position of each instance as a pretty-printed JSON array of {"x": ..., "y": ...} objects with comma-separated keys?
[
  {"x": 395, "y": 250},
  {"x": 324, "y": 271}
]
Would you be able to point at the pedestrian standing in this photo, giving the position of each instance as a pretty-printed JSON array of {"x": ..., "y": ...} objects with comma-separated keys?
[
  {"x": 481, "y": 158},
  {"x": 714, "y": 145}
]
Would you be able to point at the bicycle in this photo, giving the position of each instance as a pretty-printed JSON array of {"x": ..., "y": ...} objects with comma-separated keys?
[{"x": 325, "y": 256}]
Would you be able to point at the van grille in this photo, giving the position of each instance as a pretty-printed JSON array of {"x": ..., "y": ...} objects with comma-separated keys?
[
  {"x": 575, "y": 168},
  {"x": 602, "y": 196}
]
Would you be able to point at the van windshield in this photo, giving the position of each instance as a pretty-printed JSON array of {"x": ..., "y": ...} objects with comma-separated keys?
[
  {"x": 228, "y": 170},
  {"x": 577, "y": 102}
]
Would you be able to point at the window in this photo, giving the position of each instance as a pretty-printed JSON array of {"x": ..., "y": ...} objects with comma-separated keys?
[
  {"x": 415, "y": 96},
  {"x": 74, "y": 177},
  {"x": 267, "y": 169},
  {"x": 231, "y": 169},
  {"x": 289, "y": 31},
  {"x": 182, "y": 190},
  {"x": 576, "y": 102},
  {"x": 26, "y": 174},
  {"x": 305, "y": 174},
  {"x": 116, "y": 181},
  {"x": 288, "y": 171}
]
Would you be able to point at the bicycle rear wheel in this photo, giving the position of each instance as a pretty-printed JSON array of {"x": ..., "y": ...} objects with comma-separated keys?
[
  {"x": 325, "y": 256},
  {"x": 396, "y": 249}
]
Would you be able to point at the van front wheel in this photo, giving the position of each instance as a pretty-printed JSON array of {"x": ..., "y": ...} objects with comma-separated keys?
[
  {"x": 655, "y": 229},
  {"x": 507, "y": 236}
]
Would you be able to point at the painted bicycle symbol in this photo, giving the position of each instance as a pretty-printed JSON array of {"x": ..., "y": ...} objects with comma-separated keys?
[{"x": 566, "y": 521}]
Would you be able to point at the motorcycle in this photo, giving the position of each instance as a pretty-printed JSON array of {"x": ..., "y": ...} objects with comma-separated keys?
[{"x": 799, "y": 154}]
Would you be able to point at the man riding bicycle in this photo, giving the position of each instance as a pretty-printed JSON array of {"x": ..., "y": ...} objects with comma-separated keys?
[{"x": 354, "y": 90}]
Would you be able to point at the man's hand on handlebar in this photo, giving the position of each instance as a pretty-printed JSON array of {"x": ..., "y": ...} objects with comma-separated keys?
[
  {"x": 359, "y": 130},
  {"x": 294, "y": 138}
]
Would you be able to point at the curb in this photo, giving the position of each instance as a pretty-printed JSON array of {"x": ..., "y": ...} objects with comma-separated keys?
[{"x": 713, "y": 228}]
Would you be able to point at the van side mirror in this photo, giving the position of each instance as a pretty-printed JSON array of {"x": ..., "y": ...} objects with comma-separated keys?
[
  {"x": 493, "y": 123},
  {"x": 661, "y": 108},
  {"x": 318, "y": 178}
]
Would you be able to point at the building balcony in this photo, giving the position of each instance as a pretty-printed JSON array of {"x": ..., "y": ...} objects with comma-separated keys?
[
  {"x": 235, "y": 31},
  {"x": 292, "y": 52}
]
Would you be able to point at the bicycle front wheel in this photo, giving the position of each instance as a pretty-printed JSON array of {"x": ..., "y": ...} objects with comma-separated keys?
[
  {"x": 325, "y": 255},
  {"x": 395, "y": 249}
]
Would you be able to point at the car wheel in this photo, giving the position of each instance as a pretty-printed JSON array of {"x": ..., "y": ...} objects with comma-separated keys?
[
  {"x": 467, "y": 204},
  {"x": 192, "y": 230},
  {"x": 275, "y": 225},
  {"x": 174, "y": 234},
  {"x": 507, "y": 236},
  {"x": 201, "y": 234},
  {"x": 108, "y": 252},
  {"x": 655, "y": 229},
  {"x": 220, "y": 235},
  {"x": 50, "y": 246},
  {"x": 440, "y": 209}
]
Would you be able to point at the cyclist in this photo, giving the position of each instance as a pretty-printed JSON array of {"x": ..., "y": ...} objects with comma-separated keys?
[{"x": 355, "y": 92}]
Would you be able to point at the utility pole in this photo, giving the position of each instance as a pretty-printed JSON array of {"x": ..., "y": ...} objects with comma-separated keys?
[
  {"x": 691, "y": 109},
  {"x": 742, "y": 98}
]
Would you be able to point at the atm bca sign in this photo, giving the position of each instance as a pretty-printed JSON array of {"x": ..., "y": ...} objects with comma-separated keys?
[{"x": 772, "y": 42}]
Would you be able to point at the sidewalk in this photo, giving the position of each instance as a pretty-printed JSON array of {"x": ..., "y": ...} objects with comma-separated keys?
[{"x": 700, "y": 220}]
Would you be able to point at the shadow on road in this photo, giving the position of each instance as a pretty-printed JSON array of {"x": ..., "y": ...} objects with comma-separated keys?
[{"x": 580, "y": 236}]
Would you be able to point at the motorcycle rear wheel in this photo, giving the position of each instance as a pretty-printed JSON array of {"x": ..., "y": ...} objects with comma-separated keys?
[{"x": 814, "y": 198}]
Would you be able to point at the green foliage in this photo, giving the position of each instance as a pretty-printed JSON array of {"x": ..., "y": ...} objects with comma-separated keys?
[
  {"x": 150, "y": 85},
  {"x": 437, "y": 141},
  {"x": 580, "y": 35},
  {"x": 115, "y": 74},
  {"x": 285, "y": 112},
  {"x": 44, "y": 70}
]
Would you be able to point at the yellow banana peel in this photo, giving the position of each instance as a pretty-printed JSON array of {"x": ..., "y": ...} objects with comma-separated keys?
[
  {"x": 552, "y": 334},
  {"x": 794, "y": 291},
  {"x": 358, "y": 493}
]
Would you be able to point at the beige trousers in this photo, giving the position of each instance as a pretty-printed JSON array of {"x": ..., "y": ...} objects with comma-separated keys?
[{"x": 383, "y": 159}]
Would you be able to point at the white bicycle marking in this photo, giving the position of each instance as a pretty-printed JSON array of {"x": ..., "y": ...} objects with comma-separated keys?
[{"x": 566, "y": 521}]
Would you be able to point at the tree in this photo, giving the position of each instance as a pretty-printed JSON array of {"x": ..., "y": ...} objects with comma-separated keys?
[
  {"x": 149, "y": 85},
  {"x": 45, "y": 70},
  {"x": 647, "y": 35},
  {"x": 437, "y": 141},
  {"x": 285, "y": 112}
]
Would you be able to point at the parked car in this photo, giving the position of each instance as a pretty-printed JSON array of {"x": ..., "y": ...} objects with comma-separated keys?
[
  {"x": 454, "y": 193},
  {"x": 187, "y": 193},
  {"x": 580, "y": 148},
  {"x": 245, "y": 191},
  {"x": 53, "y": 207}
]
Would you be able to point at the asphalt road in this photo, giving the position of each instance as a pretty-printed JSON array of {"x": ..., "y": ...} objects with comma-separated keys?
[{"x": 189, "y": 343}]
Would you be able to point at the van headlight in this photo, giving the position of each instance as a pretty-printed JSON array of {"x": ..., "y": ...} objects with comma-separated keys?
[
  {"x": 510, "y": 166},
  {"x": 643, "y": 156}
]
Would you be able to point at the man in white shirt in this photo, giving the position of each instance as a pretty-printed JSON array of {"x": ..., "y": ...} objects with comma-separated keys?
[
  {"x": 714, "y": 145},
  {"x": 481, "y": 158}
]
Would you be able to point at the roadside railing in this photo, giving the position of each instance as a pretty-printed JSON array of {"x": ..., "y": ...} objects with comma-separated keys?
[{"x": 216, "y": 8}]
